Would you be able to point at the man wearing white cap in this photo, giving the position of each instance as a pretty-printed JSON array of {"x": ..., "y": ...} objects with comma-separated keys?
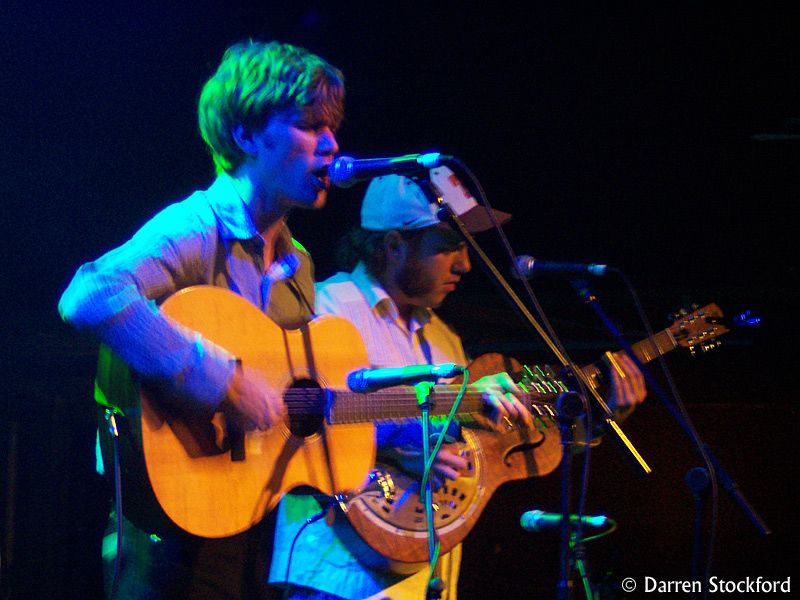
[{"x": 406, "y": 263}]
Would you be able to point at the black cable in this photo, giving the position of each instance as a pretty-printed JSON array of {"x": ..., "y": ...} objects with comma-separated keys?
[{"x": 313, "y": 519}]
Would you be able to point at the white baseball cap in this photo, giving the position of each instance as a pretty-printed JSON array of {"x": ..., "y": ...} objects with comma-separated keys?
[{"x": 396, "y": 202}]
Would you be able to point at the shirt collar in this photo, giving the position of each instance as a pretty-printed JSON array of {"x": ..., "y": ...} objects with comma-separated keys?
[
  {"x": 234, "y": 218},
  {"x": 231, "y": 211},
  {"x": 381, "y": 303}
]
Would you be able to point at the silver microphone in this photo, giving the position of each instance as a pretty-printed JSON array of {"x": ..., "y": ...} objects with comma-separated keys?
[
  {"x": 345, "y": 171},
  {"x": 530, "y": 266},
  {"x": 369, "y": 380},
  {"x": 539, "y": 520}
]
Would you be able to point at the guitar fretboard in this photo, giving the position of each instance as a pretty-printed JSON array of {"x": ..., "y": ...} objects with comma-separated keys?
[{"x": 401, "y": 403}]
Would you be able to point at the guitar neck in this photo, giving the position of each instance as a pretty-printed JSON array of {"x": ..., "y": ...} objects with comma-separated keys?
[
  {"x": 652, "y": 348},
  {"x": 401, "y": 403},
  {"x": 645, "y": 350}
]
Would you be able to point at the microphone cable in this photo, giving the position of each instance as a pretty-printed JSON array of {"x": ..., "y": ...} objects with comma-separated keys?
[
  {"x": 312, "y": 519},
  {"x": 426, "y": 473}
]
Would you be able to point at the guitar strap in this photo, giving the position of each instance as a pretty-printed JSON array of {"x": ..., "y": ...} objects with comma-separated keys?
[
  {"x": 301, "y": 297},
  {"x": 424, "y": 346}
]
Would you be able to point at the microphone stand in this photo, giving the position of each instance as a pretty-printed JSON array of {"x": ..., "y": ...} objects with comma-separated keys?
[
  {"x": 569, "y": 407},
  {"x": 717, "y": 470},
  {"x": 435, "y": 584},
  {"x": 697, "y": 480}
]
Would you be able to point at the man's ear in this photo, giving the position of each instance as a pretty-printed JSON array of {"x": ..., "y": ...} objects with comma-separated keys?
[
  {"x": 396, "y": 247},
  {"x": 244, "y": 139}
]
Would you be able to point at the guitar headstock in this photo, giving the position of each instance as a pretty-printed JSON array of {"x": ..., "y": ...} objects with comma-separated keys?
[{"x": 699, "y": 329}]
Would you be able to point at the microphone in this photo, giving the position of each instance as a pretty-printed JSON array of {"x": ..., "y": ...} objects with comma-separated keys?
[
  {"x": 530, "y": 266},
  {"x": 538, "y": 520},
  {"x": 369, "y": 380},
  {"x": 345, "y": 171}
]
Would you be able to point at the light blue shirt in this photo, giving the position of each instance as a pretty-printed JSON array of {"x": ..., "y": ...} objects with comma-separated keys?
[{"x": 206, "y": 239}]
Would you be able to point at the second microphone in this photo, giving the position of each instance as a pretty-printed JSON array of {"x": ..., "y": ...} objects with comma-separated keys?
[{"x": 369, "y": 380}]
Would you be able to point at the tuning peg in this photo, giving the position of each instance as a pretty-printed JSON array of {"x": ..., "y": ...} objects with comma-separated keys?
[
  {"x": 703, "y": 347},
  {"x": 683, "y": 312}
]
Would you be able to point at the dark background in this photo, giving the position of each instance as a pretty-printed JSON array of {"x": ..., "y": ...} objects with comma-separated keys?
[{"x": 662, "y": 139}]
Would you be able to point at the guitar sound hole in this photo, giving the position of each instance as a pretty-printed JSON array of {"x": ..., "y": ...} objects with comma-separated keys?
[{"x": 305, "y": 402}]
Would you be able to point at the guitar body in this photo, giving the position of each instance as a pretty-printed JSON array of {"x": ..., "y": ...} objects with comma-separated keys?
[
  {"x": 196, "y": 471},
  {"x": 394, "y": 527}
]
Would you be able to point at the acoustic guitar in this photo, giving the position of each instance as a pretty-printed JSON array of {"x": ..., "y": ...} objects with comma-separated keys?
[{"x": 212, "y": 480}]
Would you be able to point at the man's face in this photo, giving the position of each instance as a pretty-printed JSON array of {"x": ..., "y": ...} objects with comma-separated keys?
[
  {"x": 433, "y": 267},
  {"x": 293, "y": 153}
]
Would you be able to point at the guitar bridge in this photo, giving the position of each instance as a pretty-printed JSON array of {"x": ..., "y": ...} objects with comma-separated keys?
[{"x": 342, "y": 500}]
